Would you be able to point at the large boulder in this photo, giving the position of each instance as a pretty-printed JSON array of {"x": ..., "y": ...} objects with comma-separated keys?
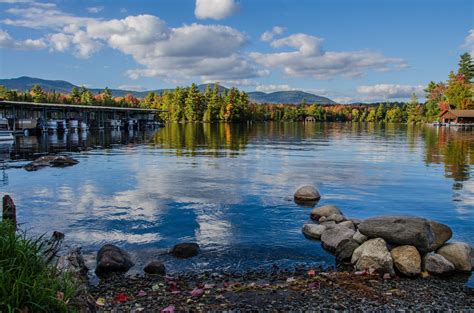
[
  {"x": 348, "y": 224},
  {"x": 437, "y": 264},
  {"x": 307, "y": 194},
  {"x": 313, "y": 231},
  {"x": 345, "y": 249},
  {"x": 407, "y": 260},
  {"x": 185, "y": 250},
  {"x": 373, "y": 254},
  {"x": 155, "y": 268},
  {"x": 441, "y": 234},
  {"x": 406, "y": 230},
  {"x": 111, "y": 258},
  {"x": 324, "y": 211},
  {"x": 334, "y": 234},
  {"x": 458, "y": 253}
]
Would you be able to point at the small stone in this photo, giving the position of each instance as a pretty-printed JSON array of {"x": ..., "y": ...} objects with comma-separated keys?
[
  {"x": 360, "y": 238},
  {"x": 313, "y": 231},
  {"x": 322, "y": 219},
  {"x": 348, "y": 224},
  {"x": 387, "y": 276},
  {"x": 111, "y": 258},
  {"x": 424, "y": 274},
  {"x": 185, "y": 250},
  {"x": 458, "y": 253},
  {"x": 155, "y": 268},
  {"x": 325, "y": 210},
  {"x": 336, "y": 218}
]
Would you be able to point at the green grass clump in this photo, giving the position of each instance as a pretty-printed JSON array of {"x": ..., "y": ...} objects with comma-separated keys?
[{"x": 27, "y": 281}]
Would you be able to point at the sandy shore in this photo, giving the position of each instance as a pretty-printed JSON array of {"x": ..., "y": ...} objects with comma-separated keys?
[{"x": 281, "y": 290}]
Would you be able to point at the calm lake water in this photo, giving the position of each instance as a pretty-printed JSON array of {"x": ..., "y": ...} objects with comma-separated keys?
[{"x": 230, "y": 187}]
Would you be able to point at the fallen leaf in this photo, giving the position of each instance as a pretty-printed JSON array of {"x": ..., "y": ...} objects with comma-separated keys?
[
  {"x": 60, "y": 295},
  {"x": 155, "y": 287},
  {"x": 121, "y": 297},
  {"x": 197, "y": 292},
  {"x": 141, "y": 293},
  {"x": 100, "y": 301},
  {"x": 311, "y": 273},
  {"x": 169, "y": 309}
]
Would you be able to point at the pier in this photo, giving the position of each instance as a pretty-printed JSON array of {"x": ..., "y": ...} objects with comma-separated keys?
[{"x": 31, "y": 116}]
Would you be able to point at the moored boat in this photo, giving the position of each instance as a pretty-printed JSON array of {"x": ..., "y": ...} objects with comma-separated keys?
[{"x": 5, "y": 133}]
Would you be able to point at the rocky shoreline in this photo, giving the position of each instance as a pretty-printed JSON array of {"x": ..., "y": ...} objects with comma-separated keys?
[{"x": 390, "y": 262}]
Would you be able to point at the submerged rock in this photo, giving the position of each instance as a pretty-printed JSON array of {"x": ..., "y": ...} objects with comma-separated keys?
[
  {"x": 458, "y": 253},
  {"x": 111, "y": 258},
  {"x": 407, "y": 260},
  {"x": 313, "y": 231},
  {"x": 345, "y": 249},
  {"x": 333, "y": 235},
  {"x": 307, "y": 194},
  {"x": 373, "y": 254},
  {"x": 185, "y": 250},
  {"x": 437, "y": 264},
  {"x": 155, "y": 268},
  {"x": 406, "y": 230},
  {"x": 324, "y": 211},
  {"x": 50, "y": 160}
]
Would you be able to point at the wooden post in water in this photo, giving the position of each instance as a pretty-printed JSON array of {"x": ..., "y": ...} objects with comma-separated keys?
[{"x": 9, "y": 209}]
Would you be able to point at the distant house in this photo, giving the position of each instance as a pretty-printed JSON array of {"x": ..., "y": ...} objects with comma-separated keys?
[{"x": 457, "y": 116}]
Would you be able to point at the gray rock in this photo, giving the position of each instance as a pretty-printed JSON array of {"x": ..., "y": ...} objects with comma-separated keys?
[
  {"x": 407, "y": 260},
  {"x": 458, "y": 253},
  {"x": 360, "y": 238},
  {"x": 111, "y": 258},
  {"x": 405, "y": 230},
  {"x": 437, "y": 264},
  {"x": 373, "y": 254},
  {"x": 328, "y": 223},
  {"x": 356, "y": 221},
  {"x": 333, "y": 235},
  {"x": 74, "y": 264},
  {"x": 345, "y": 249},
  {"x": 307, "y": 194},
  {"x": 472, "y": 259},
  {"x": 322, "y": 219},
  {"x": 50, "y": 160},
  {"x": 185, "y": 250},
  {"x": 336, "y": 218},
  {"x": 155, "y": 268},
  {"x": 325, "y": 210},
  {"x": 348, "y": 224},
  {"x": 313, "y": 231}
]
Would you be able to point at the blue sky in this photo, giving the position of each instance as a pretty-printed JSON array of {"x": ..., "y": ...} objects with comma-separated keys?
[{"x": 346, "y": 50}]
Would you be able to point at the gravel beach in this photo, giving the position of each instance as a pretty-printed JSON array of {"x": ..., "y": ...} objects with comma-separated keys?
[{"x": 300, "y": 289}]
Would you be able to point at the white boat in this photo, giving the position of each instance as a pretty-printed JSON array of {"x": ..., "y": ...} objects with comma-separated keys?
[
  {"x": 52, "y": 125},
  {"x": 5, "y": 133}
]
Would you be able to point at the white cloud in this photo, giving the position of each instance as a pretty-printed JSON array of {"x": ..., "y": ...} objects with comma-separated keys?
[
  {"x": 94, "y": 10},
  {"x": 273, "y": 88},
  {"x": 310, "y": 60},
  {"x": 6, "y": 41},
  {"x": 344, "y": 100},
  {"x": 268, "y": 35},
  {"x": 390, "y": 91},
  {"x": 469, "y": 42},
  {"x": 215, "y": 9},
  {"x": 132, "y": 87}
]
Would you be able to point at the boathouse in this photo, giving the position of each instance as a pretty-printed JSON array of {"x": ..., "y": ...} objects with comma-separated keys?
[
  {"x": 457, "y": 116},
  {"x": 24, "y": 115}
]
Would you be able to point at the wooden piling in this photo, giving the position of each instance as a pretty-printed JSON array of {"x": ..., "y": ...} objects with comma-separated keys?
[{"x": 9, "y": 209}]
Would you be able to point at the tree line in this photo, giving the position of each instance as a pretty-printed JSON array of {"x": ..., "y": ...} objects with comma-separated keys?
[{"x": 188, "y": 104}]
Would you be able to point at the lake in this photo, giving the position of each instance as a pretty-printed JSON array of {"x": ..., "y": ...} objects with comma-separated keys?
[{"x": 230, "y": 187}]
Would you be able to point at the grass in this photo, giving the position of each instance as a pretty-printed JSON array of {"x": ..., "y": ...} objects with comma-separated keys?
[{"x": 27, "y": 282}]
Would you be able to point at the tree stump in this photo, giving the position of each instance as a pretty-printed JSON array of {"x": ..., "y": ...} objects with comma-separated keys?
[{"x": 9, "y": 209}]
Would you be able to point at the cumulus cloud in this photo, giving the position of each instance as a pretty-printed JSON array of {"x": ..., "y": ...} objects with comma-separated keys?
[
  {"x": 309, "y": 59},
  {"x": 469, "y": 42},
  {"x": 215, "y": 9},
  {"x": 94, "y": 10},
  {"x": 268, "y": 35},
  {"x": 390, "y": 91},
  {"x": 6, "y": 41}
]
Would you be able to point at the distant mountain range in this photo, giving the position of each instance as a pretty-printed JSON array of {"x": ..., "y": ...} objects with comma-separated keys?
[{"x": 289, "y": 97}]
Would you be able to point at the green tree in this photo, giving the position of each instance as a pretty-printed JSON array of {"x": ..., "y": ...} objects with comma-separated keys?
[
  {"x": 75, "y": 95},
  {"x": 466, "y": 67},
  {"x": 107, "y": 97},
  {"x": 193, "y": 104},
  {"x": 38, "y": 94},
  {"x": 459, "y": 93}
]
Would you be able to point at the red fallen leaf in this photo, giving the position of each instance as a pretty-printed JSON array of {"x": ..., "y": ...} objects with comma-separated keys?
[
  {"x": 172, "y": 286},
  {"x": 311, "y": 273},
  {"x": 121, "y": 297},
  {"x": 197, "y": 292},
  {"x": 168, "y": 309}
]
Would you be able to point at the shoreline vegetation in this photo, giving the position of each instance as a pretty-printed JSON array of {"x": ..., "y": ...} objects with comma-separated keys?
[{"x": 188, "y": 104}]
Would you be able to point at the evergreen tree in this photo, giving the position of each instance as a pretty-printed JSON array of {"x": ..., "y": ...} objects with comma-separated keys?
[
  {"x": 459, "y": 92},
  {"x": 466, "y": 67},
  {"x": 107, "y": 97},
  {"x": 38, "y": 94},
  {"x": 193, "y": 104}
]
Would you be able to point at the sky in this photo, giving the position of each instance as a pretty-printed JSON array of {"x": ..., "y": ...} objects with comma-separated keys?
[{"x": 349, "y": 51}]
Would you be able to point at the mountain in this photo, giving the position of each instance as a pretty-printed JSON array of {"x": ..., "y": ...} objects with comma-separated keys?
[{"x": 288, "y": 97}]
